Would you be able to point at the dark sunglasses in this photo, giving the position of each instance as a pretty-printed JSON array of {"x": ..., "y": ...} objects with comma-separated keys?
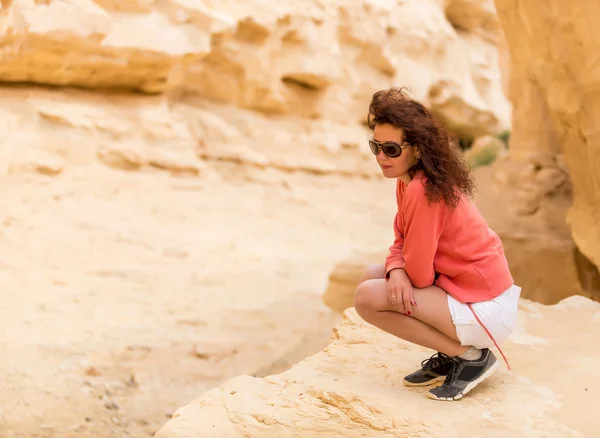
[{"x": 389, "y": 148}]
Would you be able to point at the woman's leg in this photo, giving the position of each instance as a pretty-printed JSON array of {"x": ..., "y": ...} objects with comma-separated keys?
[
  {"x": 430, "y": 324},
  {"x": 372, "y": 272}
]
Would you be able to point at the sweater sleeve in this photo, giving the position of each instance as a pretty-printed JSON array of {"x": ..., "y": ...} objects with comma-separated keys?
[
  {"x": 424, "y": 223},
  {"x": 395, "y": 259}
]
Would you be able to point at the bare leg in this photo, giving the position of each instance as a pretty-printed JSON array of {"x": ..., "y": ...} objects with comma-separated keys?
[
  {"x": 372, "y": 272},
  {"x": 430, "y": 324}
]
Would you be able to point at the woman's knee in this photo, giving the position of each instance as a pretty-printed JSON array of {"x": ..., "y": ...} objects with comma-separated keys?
[
  {"x": 372, "y": 272},
  {"x": 367, "y": 297}
]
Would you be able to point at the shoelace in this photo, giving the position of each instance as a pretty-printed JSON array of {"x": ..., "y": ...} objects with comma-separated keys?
[
  {"x": 490, "y": 335},
  {"x": 453, "y": 370},
  {"x": 435, "y": 360}
]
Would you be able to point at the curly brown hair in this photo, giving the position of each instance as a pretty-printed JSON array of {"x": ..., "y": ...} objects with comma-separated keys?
[{"x": 448, "y": 174}]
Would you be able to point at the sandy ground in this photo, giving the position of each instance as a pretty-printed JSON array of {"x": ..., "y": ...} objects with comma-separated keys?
[{"x": 125, "y": 295}]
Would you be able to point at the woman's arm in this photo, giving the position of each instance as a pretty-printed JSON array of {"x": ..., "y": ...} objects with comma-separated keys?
[
  {"x": 423, "y": 226},
  {"x": 395, "y": 259}
]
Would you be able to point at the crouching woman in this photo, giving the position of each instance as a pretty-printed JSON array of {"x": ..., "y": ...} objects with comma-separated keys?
[{"x": 445, "y": 284}]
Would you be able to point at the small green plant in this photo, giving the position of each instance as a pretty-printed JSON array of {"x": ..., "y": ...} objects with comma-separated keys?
[
  {"x": 504, "y": 136},
  {"x": 483, "y": 158},
  {"x": 484, "y": 151}
]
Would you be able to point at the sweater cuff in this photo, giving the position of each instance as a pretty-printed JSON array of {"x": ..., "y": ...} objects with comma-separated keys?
[{"x": 392, "y": 266}]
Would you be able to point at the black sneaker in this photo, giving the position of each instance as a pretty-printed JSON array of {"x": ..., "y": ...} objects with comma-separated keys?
[
  {"x": 432, "y": 370},
  {"x": 465, "y": 375}
]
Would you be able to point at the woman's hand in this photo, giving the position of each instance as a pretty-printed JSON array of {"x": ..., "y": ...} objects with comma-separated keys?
[{"x": 400, "y": 291}]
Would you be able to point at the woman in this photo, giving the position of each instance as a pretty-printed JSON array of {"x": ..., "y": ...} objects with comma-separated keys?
[{"x": 445, "y": 284}]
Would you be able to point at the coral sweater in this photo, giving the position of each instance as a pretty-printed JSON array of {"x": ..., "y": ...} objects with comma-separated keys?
[{"x": 451, "y": 248}]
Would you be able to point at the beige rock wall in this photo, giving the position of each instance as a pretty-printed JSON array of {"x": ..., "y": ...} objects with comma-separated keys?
[
  {"x": 548, "y": 186},
  {"x": 315, "y": 59},
  {"x": 555, "y": 75}
]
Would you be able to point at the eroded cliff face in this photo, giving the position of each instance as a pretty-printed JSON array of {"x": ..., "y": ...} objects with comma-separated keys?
[
  {"x": 316, "y": 60},
  {"x": 547, "y": 185},
  {"x": 177, "y": 179},
  {"x": 259, "y": 83}
]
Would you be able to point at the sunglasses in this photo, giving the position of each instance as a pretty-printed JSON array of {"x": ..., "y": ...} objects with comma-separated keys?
[{"x": 389, "y": 148}]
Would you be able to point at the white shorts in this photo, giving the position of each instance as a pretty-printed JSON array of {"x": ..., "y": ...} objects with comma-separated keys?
[{"x": 498, "y": 315}]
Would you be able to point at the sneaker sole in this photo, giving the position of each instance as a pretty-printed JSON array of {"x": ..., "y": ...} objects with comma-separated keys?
[
  {"x": 490, "y": 372},
  {"x": 428, "y": 383}
]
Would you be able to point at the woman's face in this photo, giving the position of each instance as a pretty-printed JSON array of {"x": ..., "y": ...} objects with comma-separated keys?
[{"x": 394, "y": 167}]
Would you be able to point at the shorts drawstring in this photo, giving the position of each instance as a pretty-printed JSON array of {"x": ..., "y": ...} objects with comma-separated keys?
[{"x": 489, "y": 334}]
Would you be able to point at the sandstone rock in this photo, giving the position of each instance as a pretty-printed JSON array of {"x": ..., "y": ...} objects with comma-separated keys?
[
  {"x": 527, "y": 212},
  {"x": 473, "y": 15},
  {"x": 178, "y": 138},
  {"x": 134, "y": 280},
  {"x": 317, "y": 60},
  {"x": 315, "y": 67},
  {"x": 344, "y": 278},
  {"x": 83, "y": 44},
  {"x": 353, "y": 388},
  {"x": 527, "y": 195}
]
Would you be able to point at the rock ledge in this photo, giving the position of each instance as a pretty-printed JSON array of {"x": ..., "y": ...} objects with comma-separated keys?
[{"x": 353, "y": 388}]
